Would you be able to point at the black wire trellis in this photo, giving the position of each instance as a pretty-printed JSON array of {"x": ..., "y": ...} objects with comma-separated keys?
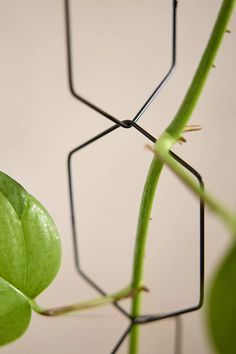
[{"x": 132, "y": 123}]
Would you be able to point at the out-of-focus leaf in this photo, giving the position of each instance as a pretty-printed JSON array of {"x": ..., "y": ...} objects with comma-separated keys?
[
  {"x": 221, "y": 308},
  {"x": 15, "y": 313},
  {"x": 30, "y": 254}
]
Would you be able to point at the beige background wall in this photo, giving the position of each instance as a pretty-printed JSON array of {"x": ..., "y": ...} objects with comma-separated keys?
[{"x": 41, "y": 122}]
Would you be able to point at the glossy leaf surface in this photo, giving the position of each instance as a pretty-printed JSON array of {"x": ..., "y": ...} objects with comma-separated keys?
[
  {"x": 15, "y": 313},
  {"x": 30, "y": 254},
  {"x": 222, "y": 305}
]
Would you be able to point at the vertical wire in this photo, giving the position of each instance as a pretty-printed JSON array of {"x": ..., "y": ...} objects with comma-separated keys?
[{"x": 169, "y": 72}]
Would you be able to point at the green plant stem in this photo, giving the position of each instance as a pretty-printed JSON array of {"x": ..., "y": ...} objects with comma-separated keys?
[
  {"x": 184, "y": 113},
  {"x": 142, "y": 230},
  {"x": 168, "y": 138},
  {"x": 86, "y": 305}
]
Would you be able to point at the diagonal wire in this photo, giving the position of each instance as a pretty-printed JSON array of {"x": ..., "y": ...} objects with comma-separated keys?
[
  {"x": 131, "y": 124},
  {"x": 69, "y": 55}
]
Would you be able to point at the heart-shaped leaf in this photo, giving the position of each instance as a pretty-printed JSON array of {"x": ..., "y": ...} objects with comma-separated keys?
[
  {"x": 221, "y": 309},
  {"x": 30, "y": 254}
]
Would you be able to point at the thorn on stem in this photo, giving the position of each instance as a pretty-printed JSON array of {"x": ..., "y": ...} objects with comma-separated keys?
[
  {"x": 134, "y": 292},
  {"x": 213, "y": 65},
  {"x": 228, "y": 31},
  {"x": 149, "y": 148},
  {"x": 192, "y": 128},
  {"x": 144, "y": 288},
  {"x": 182, "y": 140}
]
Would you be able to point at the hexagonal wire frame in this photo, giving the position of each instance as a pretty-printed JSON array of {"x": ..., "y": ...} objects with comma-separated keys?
[{"x": 142, "y": 319}]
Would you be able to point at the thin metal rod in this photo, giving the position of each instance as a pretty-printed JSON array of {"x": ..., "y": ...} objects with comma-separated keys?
[
  {"x": 70, "y": 69},
  {"x": 73, "y": 217},
  {"x": 202, "y": 228},
  {"x": 121, "y": 339},
  {"x": 146, "y": 319},
  {"x": 92, "y": 105},
  {"x": 169, "y": 72},
  {"x": 150, "y": 318},
  {"x": 70, "y": 184},
  {"x": 128, "y": 124},
  {"x": 153, "y": 317},
  {"x": 178, "y": 335}
]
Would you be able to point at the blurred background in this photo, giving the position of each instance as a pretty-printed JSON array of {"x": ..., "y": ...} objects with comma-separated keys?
[{"x": 121, "y": 50}]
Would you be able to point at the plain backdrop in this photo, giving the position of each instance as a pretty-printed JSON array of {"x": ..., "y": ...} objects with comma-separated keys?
[{"x": 121, "y": 50}]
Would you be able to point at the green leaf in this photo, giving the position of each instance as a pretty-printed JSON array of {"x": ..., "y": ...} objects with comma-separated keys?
[
  {"x": 13, "y": 262},
  {"x": 43, "y": 251},
  {"x": 14, "y": 192},
  {"x": 221, "y": 309},
  {"x": 15, "y": 313},
  {"x": 30, "y": 253}
]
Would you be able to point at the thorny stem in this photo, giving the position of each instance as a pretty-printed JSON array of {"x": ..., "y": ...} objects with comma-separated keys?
[
  {"x": 142, "y": 230},
  {"x": 167, "y": 139},
  {"x": 183, "y": 115}
]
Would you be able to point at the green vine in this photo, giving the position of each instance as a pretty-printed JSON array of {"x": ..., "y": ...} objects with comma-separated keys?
[{"x": 162, "y": 148}]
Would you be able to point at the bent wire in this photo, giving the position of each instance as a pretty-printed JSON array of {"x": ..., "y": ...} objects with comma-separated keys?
[
  {"x": 149, "y": 100},
  {"x": 131, "y": 123},
  {"x": 150, "y": 317}
]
